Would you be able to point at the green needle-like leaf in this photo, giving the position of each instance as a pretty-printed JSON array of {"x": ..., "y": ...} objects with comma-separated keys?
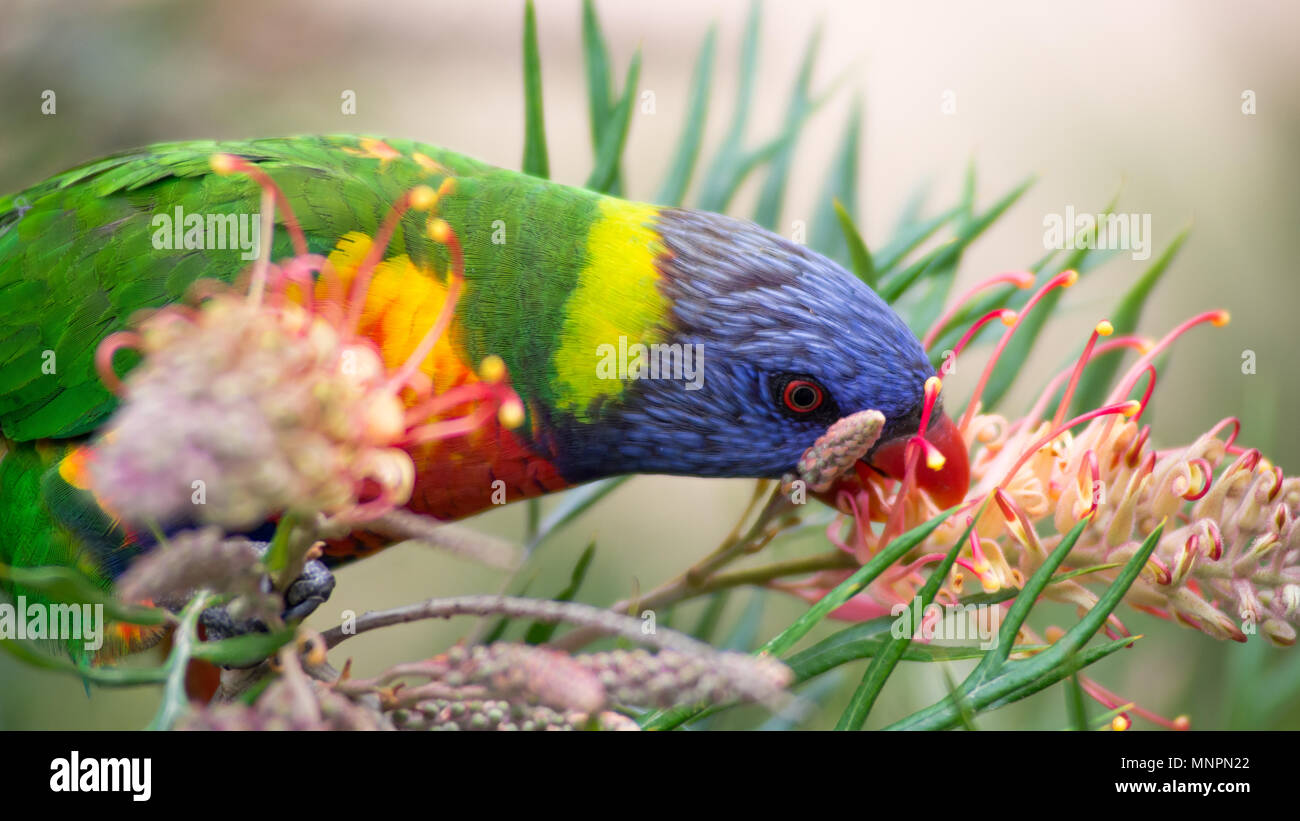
[
  {"x": 909, "y": 237},
  {"x": 845, "y": 590},
  {"x": 711, "y": 617},
  {"x": 866, "y": 640},
  {"x": 944, "y": 258},
  {"x": 610, "y": 153},
  {"x": 995, "y": 681},
  {"x": 1074, "y": 702},
  {"x": 768, "y": 212},
  {"x": 540, "y": 632},
  {"x": 733, "y": 163},
  {"x": 107, "y": 676},
  {"x": 1012, "y": 361},
  {"x": 70, "y": 586},
  {"x": 596, "y": 60},
  {"x": 859, "y": 256},
  {"x": 574, "y": 504},
  {"x": 826, "y": 234},
  {"x": 1097, "y": 378},
  {"x": 878, "y": 672},
  {"x": 535, "y": 154},
  {"x": 722, "y": 173},
  {"x": 1087, "y": 656},
  {"x": 241, "y": 650},
  {"x": 1025, "y": 601},
  {"x": 673, "y": 190},
  {"x": 174, "y": 699},
  {"x": 853, "y": 585}
]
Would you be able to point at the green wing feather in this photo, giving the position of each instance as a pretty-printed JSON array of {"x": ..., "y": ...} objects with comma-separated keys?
[{"x": 77, "y": 260}]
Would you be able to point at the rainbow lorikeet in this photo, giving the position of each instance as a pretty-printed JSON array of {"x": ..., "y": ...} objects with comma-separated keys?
[{"x": 785, "y": 341}]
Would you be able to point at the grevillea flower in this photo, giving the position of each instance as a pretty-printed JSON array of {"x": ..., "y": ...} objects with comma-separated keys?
[
  {"x": 1228, "y": 560},
  {"x": 252, "y": 402}
]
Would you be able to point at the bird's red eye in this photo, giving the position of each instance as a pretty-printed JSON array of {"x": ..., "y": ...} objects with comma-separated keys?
[{"x": 802, "y": 396}]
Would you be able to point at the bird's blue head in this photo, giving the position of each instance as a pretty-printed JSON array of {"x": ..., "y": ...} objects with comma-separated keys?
[{"x": 783, "y": 342}]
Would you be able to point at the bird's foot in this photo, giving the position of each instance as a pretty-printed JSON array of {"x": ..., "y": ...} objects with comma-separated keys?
[{"x": 307, "y": 592}]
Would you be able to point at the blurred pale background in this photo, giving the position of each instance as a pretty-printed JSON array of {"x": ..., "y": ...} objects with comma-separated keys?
[{"x": 1090, "y": 97}]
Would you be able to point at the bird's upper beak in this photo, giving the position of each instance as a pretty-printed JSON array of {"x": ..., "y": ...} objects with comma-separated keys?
[{"x": 948, "y": 484}]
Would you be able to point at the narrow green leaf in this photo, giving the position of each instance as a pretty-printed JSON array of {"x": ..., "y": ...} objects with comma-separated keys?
[
  {"x": 1088, "y": 656},
  {"x": 673, "y": 190},
  {"x": 779, "y": 644},
  {"x": 910, "y": 237},
  {"x": 708, "y": 622},
  {"x": 108, "y": 676},
  {"x": 1096, "y": 380},
  {"x": 986, "y": 686},
  {"x": 596, "y": 60},
  {"x": 744, "y": 635},
  {"x": 540, "y": 632},
  {"x": 770, "y": 199},
  {"x": 240, "y": 650},
  {"x": 573, "y": 504},
  {"x": 859, "y": 256},
  {"x": 1012, "y": 361},
  {"x": 882, "y": 666},
  {"x": 1025, "y": 601},
  {"x": 533, "y": 520},
  {"x": 610, "y": 153},
  {"x": 968, "y": 193},
  {"x": 1074, "y": 702},
  {"x": 853, "y": 585},
  {"x": 184, "y": 638},
  {"x": 946, "y": 256},
  {"x": 1092, "y": 621},
  {"x": 964, "y": 711},
  {"x": 865, "y": 640},
  {"x": 535, "y": 154},
  {"x": 277, "y": 553},
  {"x": 720, "y": 180},
  {"x": 841, "y": 186},
  {"x": 68, "y": 585},
  {"x": 910, "y": 215}
]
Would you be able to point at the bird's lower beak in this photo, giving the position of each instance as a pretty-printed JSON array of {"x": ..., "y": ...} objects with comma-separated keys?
[{"x": 946, "y": 484}]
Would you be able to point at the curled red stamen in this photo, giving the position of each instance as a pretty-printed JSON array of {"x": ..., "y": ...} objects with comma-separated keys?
[
  {"x": 1103, "y": 328},
  {"x": 1007, "y": 316},
  {"x": 225, "y": 164},
  {"x": 420, "y": 198},
  {"x": 1021, "y": 279},
  {"x": 104, "y": 357},
  {"x": 1062, "y": 280},
  {"x": 1207, "y": 472},
  {"x": 1125, "y": 387}
]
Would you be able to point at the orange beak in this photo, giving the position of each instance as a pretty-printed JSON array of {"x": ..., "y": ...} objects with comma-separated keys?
[{"x": 948, "y": 484}]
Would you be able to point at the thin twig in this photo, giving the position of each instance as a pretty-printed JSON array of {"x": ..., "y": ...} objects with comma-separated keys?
[{"x": 602, "y": 621}]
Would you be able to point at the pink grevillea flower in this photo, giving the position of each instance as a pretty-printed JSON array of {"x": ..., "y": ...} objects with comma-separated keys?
[
  {"x": 1228, "y": 561},
  {"x": 249, "y": 403}
]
